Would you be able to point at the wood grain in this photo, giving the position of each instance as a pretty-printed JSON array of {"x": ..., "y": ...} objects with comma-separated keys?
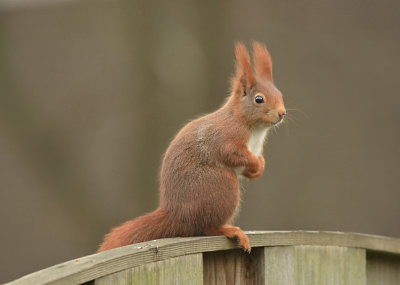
[
  {"x": 305, "y": 264},
  {"x": 183, "y": 270},
  {"x": 383, "y": 269},
  {"x": 234, "y": 267}
]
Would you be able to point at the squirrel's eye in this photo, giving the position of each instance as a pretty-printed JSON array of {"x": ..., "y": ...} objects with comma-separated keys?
[{"x": 259, "y": 99}]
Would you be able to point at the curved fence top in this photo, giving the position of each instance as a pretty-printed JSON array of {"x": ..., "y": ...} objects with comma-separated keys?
[{"x": 90, "y": 267}]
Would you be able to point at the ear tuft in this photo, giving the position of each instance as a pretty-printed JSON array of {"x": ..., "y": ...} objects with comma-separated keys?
[
  {"x": 244, "y": 78},
  {"x": 262, "y": 61}
]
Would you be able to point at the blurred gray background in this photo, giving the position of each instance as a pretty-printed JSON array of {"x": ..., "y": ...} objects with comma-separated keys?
[{"x": 91, "y": 93}]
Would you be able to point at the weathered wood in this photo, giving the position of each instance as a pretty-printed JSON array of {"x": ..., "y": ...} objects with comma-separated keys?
[
  {"x": 383, "y": 269},
  {"x": 234, "y": 267},
  {"x": 123, "y": 277},
  {"x": 304, "y": 264},
  {"x": 186, "y": 269},
  {"x": 94, "y": 266}
]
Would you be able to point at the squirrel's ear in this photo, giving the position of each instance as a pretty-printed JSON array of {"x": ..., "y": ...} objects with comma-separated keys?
[
  {"x": 244, "y": 78},
  {"x": 262, "y": 61}
]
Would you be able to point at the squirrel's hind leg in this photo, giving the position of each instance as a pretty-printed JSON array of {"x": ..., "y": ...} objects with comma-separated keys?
[{"x": 232, "y": 232}]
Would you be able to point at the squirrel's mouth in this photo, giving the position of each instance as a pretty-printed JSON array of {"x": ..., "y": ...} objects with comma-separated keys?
[{"x": 276, "y": 123}]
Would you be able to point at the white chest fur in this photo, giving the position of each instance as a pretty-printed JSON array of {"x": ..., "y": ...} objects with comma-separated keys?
[{"x": 256, "y": 140}]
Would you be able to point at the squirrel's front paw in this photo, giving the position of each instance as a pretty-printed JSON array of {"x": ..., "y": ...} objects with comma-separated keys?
[{"x": 252, "y": 174}]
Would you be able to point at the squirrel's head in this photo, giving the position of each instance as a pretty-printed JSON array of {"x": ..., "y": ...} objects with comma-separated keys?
[{"x": 254, "y": 93}]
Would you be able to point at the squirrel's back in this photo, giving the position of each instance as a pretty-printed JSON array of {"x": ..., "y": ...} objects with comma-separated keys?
[
  {"x": 190, "y": 184},
  {"x": 193, "y": 178}
]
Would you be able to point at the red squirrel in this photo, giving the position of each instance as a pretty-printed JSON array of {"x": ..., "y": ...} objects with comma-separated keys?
[{"x": 199, "y": 185}]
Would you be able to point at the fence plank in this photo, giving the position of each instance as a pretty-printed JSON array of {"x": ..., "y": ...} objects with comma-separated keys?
[
  {"x": 304, "y": 265},
  {"x": 123, "y": 277},
  {"x": 186, "y": 269},
  {"x": 383, "y": 269},
  {"x": 234, "y": 267}
]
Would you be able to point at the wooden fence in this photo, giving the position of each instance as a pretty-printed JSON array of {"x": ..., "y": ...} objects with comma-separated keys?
[{"x": 295, "y": 257}]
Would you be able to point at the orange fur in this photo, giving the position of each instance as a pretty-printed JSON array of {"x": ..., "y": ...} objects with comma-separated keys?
[
  {"x": 262, "y": 61},
  {"x": 199, "y": 186},
  {"x": 244, "y": 78}
]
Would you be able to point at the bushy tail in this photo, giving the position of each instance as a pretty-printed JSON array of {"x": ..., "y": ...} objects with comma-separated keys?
[{"x": 151, "y": 226}]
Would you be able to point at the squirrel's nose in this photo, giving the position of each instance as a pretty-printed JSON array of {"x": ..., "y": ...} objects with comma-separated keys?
[{"x": 282, "y": 114}]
